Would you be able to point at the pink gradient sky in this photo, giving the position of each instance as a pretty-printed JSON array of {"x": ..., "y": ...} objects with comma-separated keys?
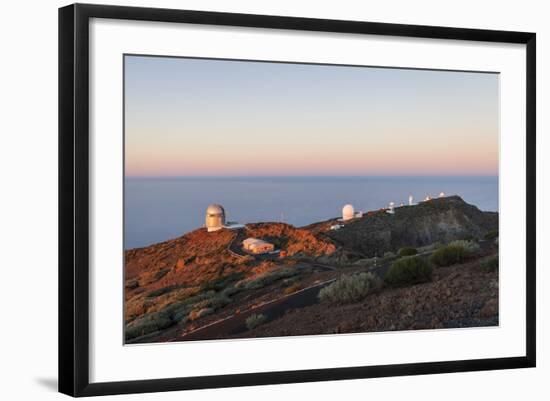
[{"x": 188, "y": 117}]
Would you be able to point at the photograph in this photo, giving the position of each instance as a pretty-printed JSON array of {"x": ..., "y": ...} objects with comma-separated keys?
[{"x": 274, "y": 199}]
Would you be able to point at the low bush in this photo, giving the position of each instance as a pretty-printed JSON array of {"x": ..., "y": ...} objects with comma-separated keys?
[
  {"x": 220, "y": 283},
  {"x": 447, "y": 255},
  {"x": 348, "y": 289},
  {"x": 255, "y": 320},
  {"x": 491, "y": 234},
  {"x": 166, "y": 314},
  {"x": 490, "y": 264},
  {"x": 147, "y": 324},
  {"x": 230, "y": 291},
  {"x": 268, "y": 278},
  {"x": 217, "y": 301},
  {"x": 407, "y": 251},
  {"x": 409, "y": 270},
  {"x": 179, "y": 299},
  {"x": 429, "y": 248},
  {"x": 470, "y": 247}
]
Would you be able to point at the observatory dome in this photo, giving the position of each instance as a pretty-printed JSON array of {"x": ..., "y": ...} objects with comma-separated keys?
[
  {"x": 348, "y": 212},
  {"x": 215, "y": 217}
]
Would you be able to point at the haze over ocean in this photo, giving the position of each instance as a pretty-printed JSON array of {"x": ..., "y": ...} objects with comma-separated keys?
[{"x": 158, "y": 209}]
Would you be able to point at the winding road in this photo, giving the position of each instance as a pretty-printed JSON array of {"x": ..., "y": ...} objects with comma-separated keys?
[{"x": 236, "y": 323}]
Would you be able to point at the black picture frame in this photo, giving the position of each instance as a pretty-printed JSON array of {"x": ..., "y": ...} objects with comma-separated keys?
[{"x": 74, "y": 198}]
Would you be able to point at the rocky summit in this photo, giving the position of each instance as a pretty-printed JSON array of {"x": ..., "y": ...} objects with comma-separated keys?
[{"x": 438, "y": 220}]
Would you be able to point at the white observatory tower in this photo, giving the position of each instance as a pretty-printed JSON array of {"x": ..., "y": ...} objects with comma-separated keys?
[
  {"x": 348, "y": 212},
  {"x": 391, "y": 208},
  {"x": 411, "y": 200},
  {"x": 215, "y": 217}
]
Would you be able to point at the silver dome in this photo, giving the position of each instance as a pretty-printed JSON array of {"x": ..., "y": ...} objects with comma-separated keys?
[
  {"x": 215, "y": 217},
  {"x": 214, "y": 209}
]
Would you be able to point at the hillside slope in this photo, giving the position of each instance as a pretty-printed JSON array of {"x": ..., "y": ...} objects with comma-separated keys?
[
  {"x": 438, "y": 220},
  {"x": 187, "y": 281}
]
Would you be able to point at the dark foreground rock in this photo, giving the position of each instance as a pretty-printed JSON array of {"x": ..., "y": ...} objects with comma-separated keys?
[{"x": 459, "y": 296}]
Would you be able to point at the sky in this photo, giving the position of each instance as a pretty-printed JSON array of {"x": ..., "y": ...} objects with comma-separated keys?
[{"x": 207, "y": 117}]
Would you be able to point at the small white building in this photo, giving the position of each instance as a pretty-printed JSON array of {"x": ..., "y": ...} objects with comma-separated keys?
[
  {"x": 442, "y": 194},
  {"x": 257, "y": 246},
  {"x": 411, "y": 203},
  {"x": 391, "y": 208}
]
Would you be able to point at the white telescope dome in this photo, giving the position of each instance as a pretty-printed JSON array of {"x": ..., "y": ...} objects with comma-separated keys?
[
  {"x": 348, "y": 212},
  {"x": 215, "y": 217},
  {"x": 214, "y": 208}
]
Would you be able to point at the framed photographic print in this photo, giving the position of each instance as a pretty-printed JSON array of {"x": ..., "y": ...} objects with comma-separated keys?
[{"x": 250, "y": 199}]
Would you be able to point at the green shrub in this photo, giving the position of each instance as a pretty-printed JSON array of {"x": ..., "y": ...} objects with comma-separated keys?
[
  {"x": 348, "y": 289},
  {"x": 409, "y": 270},
  {"x": 187, "y": 302},
  {"x": 220, "y": 283},
  {"x": 255, "y": 320},
  {"x": 407, "y": 251},
  {"x": 230, "y": 291},
  {"x": 470, "y": 247},
  {"x": 217, "y": 301},
  {"x": 429, "y": 248},
  {"x": 166, "y": 315},
  {"x": 181, "y": 315},
  {"x": 491, "y": 234},
  {"x": 490, "y": 264},
  {"x": 268, "y": 278},
  {"x": 147, "y": 324},
  {"x": 448, "y": 255}
]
